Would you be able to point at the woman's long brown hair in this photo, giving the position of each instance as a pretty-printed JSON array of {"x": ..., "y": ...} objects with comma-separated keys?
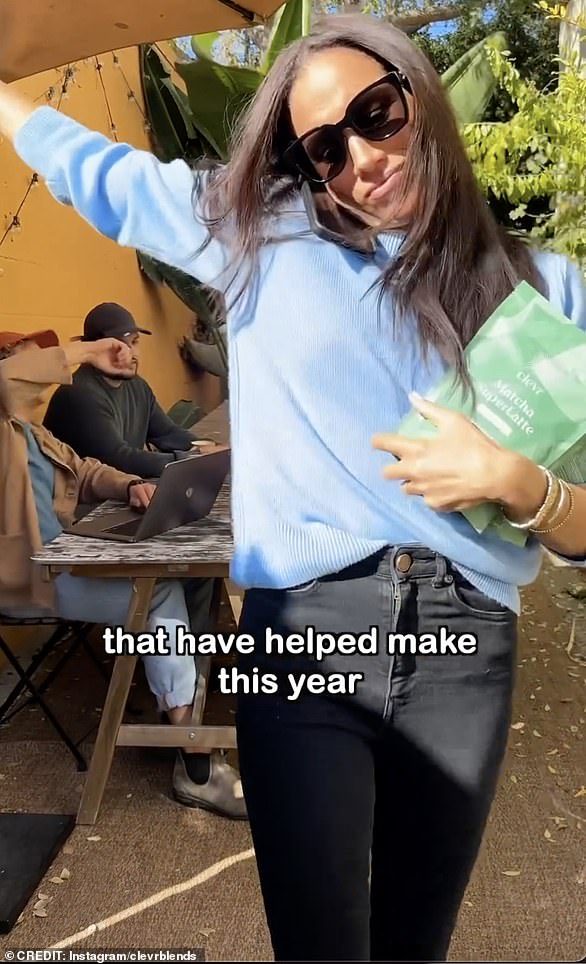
[{"x": 455, "y": 265}]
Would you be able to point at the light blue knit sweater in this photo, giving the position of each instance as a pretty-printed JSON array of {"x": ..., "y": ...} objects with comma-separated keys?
[{"x": 315, "y": 372}]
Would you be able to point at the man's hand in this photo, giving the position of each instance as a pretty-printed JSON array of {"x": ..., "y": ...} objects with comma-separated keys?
[
  {"x": 108, "y": 355},
  {"x": 461, "y": 467},
  {"x": 140, "y": 494}
]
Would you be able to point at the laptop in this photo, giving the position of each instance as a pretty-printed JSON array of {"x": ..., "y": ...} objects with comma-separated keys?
[{"x": 186, "y": 492}]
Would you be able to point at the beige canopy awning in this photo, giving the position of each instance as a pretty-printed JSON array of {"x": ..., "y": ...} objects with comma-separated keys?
[{"x": 37, "y": 35}]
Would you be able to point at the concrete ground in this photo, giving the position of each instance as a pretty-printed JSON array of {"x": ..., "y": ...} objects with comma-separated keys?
[{"x": 151, "y": 874}]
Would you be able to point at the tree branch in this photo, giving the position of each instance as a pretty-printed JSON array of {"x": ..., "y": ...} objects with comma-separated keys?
[{"x": 421, "y": 18}]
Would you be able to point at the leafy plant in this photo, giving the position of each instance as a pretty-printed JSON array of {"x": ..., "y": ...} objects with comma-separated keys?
[
  {"x": 531, "y": 38},
  {"x": 173, "y": 132},
  {"x": 175, "y": 135},
  {"x": 536, "y": 161},
  {"x": 471, "y": 82},
  {"x": 199, "y": 126}
]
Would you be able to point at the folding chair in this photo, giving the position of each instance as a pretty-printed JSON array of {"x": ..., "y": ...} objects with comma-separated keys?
[{"x": 71, "y": 635}]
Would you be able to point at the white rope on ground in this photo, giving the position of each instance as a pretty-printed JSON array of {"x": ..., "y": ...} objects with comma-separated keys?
[{"x": 200, "y": 878}]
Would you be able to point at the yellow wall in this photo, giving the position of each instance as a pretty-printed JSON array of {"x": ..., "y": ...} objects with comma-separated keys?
[{"x": 57, "y": 267}]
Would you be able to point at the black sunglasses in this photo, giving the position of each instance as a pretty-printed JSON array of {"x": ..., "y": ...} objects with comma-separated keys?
[{"x": 376, "y": 113}]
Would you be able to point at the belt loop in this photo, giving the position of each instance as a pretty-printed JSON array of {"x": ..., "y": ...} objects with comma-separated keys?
[{"x": 441, "y": 577}]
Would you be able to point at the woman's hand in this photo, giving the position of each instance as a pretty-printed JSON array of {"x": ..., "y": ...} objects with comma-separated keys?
[
  {"x": 15, "y": 110},
  {"x": 461, "y": 467}
]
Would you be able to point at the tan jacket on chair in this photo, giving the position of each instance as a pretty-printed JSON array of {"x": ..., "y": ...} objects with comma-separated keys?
[{"x": 24, "y": 378}]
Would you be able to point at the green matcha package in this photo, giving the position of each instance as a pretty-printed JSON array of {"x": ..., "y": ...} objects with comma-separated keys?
[{"x": 528, "y": 367}]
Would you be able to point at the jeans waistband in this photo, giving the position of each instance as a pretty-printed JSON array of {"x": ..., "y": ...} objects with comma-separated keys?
[{"x": 404, "y": 563}]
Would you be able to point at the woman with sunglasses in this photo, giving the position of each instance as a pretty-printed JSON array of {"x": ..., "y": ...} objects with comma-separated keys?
[{"x": 358, "y": 259}]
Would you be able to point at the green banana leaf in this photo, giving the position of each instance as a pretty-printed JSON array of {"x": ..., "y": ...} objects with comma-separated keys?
[
  {"x": 292, "y": 20},
  {"x": 203, "y": 301},
  {"x": 174, "y": 133},
  {"x": 202, "y": 44},
  {"x": 470, "y": 82},
  {"x": 217, "y": 94}
]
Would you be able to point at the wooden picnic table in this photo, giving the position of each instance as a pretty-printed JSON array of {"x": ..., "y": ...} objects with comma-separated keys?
[{"x": 200, "y": 550}]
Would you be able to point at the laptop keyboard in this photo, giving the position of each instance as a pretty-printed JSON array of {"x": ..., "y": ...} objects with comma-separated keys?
[{"x": 127, "y": 528}]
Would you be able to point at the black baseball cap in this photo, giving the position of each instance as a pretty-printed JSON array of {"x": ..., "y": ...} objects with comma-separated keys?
[{"x": 110, "y": 320}]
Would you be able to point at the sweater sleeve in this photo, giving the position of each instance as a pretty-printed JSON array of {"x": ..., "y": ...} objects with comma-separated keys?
[
  {"x": 83, "y": 420},
  {"x": 573, "y": 305},
  {"x": 124, "y": 193},
  {"x": 26, "y": 375},
  {"x": 574, "y": 294}
]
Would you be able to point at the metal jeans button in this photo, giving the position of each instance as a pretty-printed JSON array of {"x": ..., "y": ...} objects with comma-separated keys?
[{"x": 403, "y": 562}]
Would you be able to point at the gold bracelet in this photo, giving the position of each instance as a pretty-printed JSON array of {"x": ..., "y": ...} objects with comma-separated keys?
[
  {"x": 552, "y": 528},
  {"x": 551, "y": 499},
  {"x": 556, "y": 510}
]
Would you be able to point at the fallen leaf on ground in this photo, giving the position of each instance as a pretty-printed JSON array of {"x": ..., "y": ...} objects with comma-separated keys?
[
  {"x": 552, "y": 752},
  {"x": 578, "y": 592},
  {"x": 547, "y": 707},
  {"x": 56, "y": 880},
  {"x": 206, "y": 931},
  {"x": 551, "y": 769},
  {"x": 517, "y": 726},
  {"x": 39, "y": 909},
  {"x": 511, "y": 873},
  {"x": 537, "y": 733},
  {"x": 65, "y": 874},
  {"x": 547, "y": 835},
  {"x": 94, "y": 838},
  {"x": 514, "y": 779},
  {"x": 581, "y": 792},
  {"x": 469, "y": 903}
]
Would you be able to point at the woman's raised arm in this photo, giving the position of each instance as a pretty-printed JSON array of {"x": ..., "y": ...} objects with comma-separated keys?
[{"x": 125, "y": 193}]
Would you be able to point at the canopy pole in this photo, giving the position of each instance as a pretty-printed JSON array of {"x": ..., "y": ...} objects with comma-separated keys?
[{"x": 244, "y": 12}]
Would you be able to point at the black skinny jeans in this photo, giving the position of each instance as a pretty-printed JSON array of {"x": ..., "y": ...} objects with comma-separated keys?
[{"x": 367, "y": 811}]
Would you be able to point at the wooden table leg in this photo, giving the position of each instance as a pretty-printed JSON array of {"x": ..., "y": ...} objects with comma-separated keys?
[
  {"x": 204, "y": 663},
  {"x": 234, "y": 598},
  {"x": 203, "y": 666},
  {"x": 114, "y": 707}
]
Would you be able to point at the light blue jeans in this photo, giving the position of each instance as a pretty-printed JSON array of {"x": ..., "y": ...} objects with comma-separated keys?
[{"x": 174, "y": 604}]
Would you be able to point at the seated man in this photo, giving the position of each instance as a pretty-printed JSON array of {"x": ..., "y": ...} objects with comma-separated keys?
[
  {"x": 112, "y": 417},
  {"x": 41, "y": 482}
]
